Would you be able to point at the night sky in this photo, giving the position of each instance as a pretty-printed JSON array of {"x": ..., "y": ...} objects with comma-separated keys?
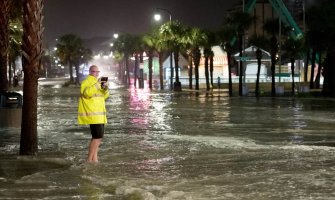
[{"x": 93, "y": 18}]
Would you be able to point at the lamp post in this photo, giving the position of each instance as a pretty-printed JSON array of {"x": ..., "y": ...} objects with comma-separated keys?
[{"x": 157, "y": 17}]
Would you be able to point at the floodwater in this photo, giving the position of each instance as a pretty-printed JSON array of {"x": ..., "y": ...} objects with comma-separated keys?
[{"x": 165, "y": 145}]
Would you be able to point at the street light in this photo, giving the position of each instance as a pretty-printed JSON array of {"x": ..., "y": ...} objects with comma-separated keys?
[{"x": 157, "y": 17}]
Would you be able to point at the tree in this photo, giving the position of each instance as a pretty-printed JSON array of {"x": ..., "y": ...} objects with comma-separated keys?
[
  {"x": 193, "y": 39},
  {"x": 241, "y": 21},
  {"x": 259, "y": 63},
  {"x": 125, "y": 46},
  {"x": 260, "y": 42},
  {"x": 226, "y": 36},
  {"x": 172, "y": 34},
  {"x": 209, "y": 56},
  {"x": 294, "y": 47},
  {"x": 70, "y": 48},
  {"x": 154, "y": 44},
  {"x": 325, "y": 34},
  {"x": 32, "y": 51},
  {"x": 317, "y": 36},
  {"x": 272, "y": 28}
]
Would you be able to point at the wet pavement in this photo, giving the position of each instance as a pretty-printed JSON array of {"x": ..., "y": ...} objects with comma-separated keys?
[{"x": 166, "y": 145}]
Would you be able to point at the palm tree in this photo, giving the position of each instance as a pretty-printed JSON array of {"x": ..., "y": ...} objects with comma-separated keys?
[
  {"x": 316, "y": 37},
  {"x": 151, "y": 45},
  {"x": 260, "y": 42},
  {"x": 137, "y": 45},
  {"x": 172, "y": 34},
  {"x": 193, "y": 39},
  {"x": 125, "y": 46},
  {"x": 226, "y": 35},
  {"x": 32, "y": 51},
  {"x": 272, "y": 28},
  {"x": 321, "y": 29},
  {"x": 241, "y": 21},
  {"x": 294, "y": 47},
  {"x": 69, "y": 50},
  {"x": 209, "y": 56},
  {"x": 259, "y": 63}
]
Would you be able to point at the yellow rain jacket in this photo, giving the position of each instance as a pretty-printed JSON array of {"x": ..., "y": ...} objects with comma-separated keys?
[{"x": 92, "y": 109}]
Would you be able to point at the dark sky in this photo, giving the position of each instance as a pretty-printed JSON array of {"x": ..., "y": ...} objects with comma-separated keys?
[{"x": 91, "y": 18}]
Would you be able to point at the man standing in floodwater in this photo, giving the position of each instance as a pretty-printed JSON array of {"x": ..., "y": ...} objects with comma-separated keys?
[{"x": 92, "y": 109}]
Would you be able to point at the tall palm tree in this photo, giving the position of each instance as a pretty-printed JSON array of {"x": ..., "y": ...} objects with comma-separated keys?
[
  {"x": 154, "y": 44},
  {"x": 172, "y": 34},
  {"x": 272, "y": 28},
  {"x": 193, "y": 39},
  {"x": 294, "y": 47},
  {"x": 259, "y": 56},
  {"x": 316, "y": 37},
  {"x": 154, "y": 41},
  {"x": 69, "y": 50},
  {"x": 125, "y": 46},
  {"x": 32, "y": 51},
  {"x": 209, "y": 56},
  {"x": 226, "y": 35},
  {"x": 260, "y": 42},
  {"x": 242, "y": 21}
]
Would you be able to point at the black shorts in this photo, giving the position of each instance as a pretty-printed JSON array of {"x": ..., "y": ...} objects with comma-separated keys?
[{"x": 97, "y": 130}]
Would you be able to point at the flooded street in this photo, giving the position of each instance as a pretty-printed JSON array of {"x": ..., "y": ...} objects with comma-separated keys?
[{"x": 165, "y": 145}]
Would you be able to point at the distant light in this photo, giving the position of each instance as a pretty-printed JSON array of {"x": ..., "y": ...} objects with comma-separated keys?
[
  {"x": 116, "y": 35},
  {"x": 97, "y": 56},
  {"x": 157, "y": 17},
  {"x": 111, "y": 44}
]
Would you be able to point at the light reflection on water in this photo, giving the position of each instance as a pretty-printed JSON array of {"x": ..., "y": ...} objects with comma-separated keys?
[{"x": 161, "y": 145}]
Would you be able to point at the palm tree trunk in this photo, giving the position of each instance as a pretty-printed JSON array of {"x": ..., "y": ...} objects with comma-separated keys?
[
  {"x": 4, "y": 43},
  {"x": 273, "y": 65},
  {"x": 259, "y": 62},
  {"x": 292, "y": 73},
  {"x": 77, "y": 73},
  {"x": 230, "y": 84},
  {"x": 32, "y": 51},
  {"x": 240, "y": 71},
  {"x": 211, "y": 69},
  {"x": 206, "y": 72},
  {"x": 177, "y": 85},
  {"x": 150, "y": 68},
  {"x": 318, "y": 75},
  {"x": 306, "y": 66},
  {"x": 160, "y": 60},
  {"x": 311, "y": 83},
  {"x": 190, "y": 69},
  {"x": 136, "y": 67},
  {"x": 71, "y": 72},
  {"x": 127, "y": 70},
  {"x": 196, "y": 59}
]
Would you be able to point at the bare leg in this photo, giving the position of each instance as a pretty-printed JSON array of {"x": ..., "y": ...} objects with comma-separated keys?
[{"x": 93, "y": 150}]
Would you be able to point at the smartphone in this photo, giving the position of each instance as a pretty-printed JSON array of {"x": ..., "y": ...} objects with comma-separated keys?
[{"x": 104, "y": 79}]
